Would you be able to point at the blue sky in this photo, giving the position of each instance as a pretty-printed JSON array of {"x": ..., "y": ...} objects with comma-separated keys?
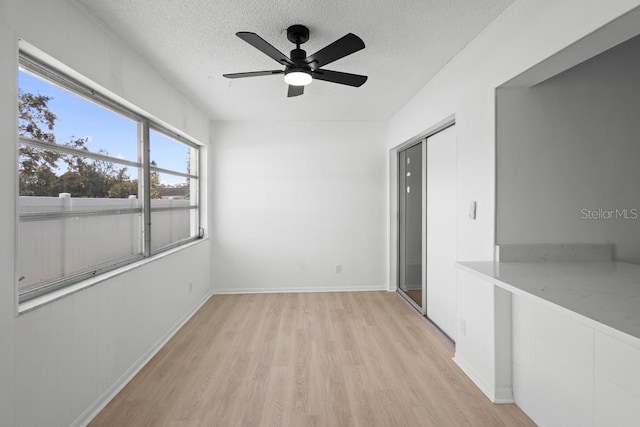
[{"x": 115, "y": 134}]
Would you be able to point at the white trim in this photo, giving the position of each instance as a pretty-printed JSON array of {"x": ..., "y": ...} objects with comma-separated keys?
[
  {"x": 423, "y": 222},
  {"x": 502, "y": 395},
  {"x": 430, "y": 131},
  {"x": 103, "y": 400},
  {"x": 295, "y": 290}
]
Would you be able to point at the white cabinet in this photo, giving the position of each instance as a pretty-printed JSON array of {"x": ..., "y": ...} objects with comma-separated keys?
[
  {"x": 564, "y": 368},
  {"x": 483, "y": 339},
  {"x": 552, "y": 365},
  {"x": 617, "y": 382},
  {"x": 567, "y": 373}
]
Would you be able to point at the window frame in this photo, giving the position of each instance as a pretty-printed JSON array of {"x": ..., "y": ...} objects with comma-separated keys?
[
  {"x": 153, "y": 126},
  {"x": 145, "y": 124}
]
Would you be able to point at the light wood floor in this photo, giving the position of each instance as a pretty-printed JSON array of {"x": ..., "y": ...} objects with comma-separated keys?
[
  {"x": 323, "y": 359},
  {"x": 415, "y": 295}
]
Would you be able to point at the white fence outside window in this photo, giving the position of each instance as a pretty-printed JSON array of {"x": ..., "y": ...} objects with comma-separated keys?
[{"x": 56, "y": 247}]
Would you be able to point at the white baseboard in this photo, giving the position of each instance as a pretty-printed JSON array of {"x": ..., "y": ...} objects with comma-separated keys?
[
  {"x": 103, "y": 400},
  {"x": 502, "y": 395},
  {"x": 276, "y": 290}
]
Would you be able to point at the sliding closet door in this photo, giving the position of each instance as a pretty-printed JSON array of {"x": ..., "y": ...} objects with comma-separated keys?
[
  {"x": 410, "y": 223},
  {"x": 442, "y": 230}
]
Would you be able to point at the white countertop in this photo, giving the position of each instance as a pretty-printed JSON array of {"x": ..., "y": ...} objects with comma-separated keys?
[{"x": 606, "y": 295}]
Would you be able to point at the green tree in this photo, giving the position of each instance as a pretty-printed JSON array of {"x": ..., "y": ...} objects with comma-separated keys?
[
  {"x": 90, "y": 178},
  {"x": 37, "y": 166},
  {"x": 123, "y": 189},
  {"x": 156, "y": 185}
]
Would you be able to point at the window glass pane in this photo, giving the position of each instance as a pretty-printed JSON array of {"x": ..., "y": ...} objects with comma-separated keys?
[
  {"x": 168, "y": 153},
  {"x": 47, "y": 173},
  {"x": 57, "y": 248},
  {"x": 167, "y": 186},
  {"x": 173, "y": 216},
  {"x": 50, "y": 113},
  {"x": 171, "y": 226}
]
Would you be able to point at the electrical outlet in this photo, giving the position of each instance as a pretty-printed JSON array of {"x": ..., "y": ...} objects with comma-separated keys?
[
  {"x": 463, "y": 326},
  {"x": 338, "y": 268},
  {"x": 190, "y": 287}
]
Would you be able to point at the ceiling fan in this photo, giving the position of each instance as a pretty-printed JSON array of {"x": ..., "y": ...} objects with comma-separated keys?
[{"x": 300, "y": 69}]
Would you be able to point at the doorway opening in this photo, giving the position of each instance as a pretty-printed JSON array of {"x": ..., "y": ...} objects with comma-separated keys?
[
  {"x": 410, "y": 259},
  {"x": 426, "y": 174}
]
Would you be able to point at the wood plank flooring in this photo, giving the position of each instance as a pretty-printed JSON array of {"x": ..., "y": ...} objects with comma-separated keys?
[
  {"x": 307, "y": 359},
  {"x": 415, "y": 295}
]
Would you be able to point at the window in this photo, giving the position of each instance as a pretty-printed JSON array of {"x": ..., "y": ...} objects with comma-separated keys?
[
  {"x": 99, "y": 185},
  {"x": 174, "y": 192}
]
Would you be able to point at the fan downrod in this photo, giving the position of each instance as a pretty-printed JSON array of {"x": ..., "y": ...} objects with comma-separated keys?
[{"x": 298, "y": 34}]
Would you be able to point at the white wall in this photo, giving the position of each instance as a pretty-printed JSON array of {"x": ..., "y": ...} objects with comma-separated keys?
[
  {"x": 295, "y": 199},
  {"x": 528, "y": 32},
  {"x": 568, "y": 144},
  {"x": 466, "y": 88},
  {"x": 342, "y": 216},
  {"x": 60, "y": 360}
]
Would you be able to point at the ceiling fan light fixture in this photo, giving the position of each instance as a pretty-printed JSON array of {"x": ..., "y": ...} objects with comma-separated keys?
[
  {"x": 298, "y": 77},
  {"x": 300, "y": 69}
]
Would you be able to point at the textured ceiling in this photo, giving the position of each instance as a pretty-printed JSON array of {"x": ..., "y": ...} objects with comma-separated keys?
[{"x": 192, "y": 43}]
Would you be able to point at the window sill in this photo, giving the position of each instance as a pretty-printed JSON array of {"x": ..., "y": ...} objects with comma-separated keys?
[{"x": 50, "y": 297}]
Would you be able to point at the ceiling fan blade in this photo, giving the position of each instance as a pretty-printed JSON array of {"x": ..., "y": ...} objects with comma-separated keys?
[
  {"x": 263, "y": 46},
  {"x": 336, "y": 50},
  {"x": 338, "y": 77},
  {"x": 252, "y": 74},
  {"x": 295, "y": 91}
]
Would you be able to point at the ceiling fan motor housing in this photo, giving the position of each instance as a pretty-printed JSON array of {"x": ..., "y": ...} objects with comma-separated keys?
[
  {"x": 298, "y": 34},
  {"x": 298, "y": 57}
]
